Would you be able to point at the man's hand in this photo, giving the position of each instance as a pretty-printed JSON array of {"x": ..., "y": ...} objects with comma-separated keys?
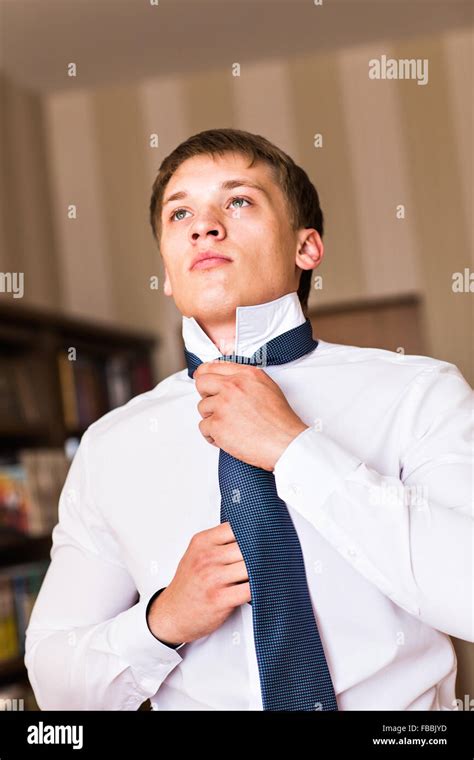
[
  {"x": 245, "y": 413},
  {"x": 210, "y": 581}
]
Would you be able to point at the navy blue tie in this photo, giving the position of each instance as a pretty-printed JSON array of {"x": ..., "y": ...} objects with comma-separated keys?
[{"x": 294, "y": 674}]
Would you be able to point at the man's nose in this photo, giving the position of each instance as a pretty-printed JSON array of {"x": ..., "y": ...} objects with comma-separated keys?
[
  {"x": 197, "y": 234},
  {"x": 207, "y": 226}
]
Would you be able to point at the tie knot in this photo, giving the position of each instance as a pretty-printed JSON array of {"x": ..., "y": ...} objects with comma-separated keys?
[
  {"x": 258, "y": 358},
  {"x": 287, "y": 347}
]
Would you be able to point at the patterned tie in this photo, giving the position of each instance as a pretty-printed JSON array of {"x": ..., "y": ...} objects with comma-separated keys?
[{"x": 293, "y": 671}]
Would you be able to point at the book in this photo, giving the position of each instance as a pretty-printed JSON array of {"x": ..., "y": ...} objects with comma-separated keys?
[
  {"x": 13, "y": 498},
  {"x": 19, "y": 588},
  {"x": 19, "y": 393},
  {"x": 11, "y": 411},
  {"x": 9, "y": 648},
  {"x": 30, "y": 490},
  {"x": 68, "y": 392},
  {"x": 118, "y": 381}
]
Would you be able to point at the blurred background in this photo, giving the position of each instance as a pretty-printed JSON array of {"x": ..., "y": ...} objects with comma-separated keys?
[{"x": 94, "y": 94}]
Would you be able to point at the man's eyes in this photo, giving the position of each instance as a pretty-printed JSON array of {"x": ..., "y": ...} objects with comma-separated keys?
[{"x": 235, "y": 198}]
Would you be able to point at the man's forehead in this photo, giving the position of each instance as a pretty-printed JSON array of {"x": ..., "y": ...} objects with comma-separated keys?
[{"x": 220, "y": 172}]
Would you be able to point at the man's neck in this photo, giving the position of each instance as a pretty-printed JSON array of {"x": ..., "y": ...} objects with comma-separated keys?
[
  {"x": 222, "y": 334},
  {"x": 243, "y": 332}
]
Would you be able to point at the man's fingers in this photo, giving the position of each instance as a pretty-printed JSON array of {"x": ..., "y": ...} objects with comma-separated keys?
[
  {"x": 237, "y": 594},
  {"x": 209, "y": 385},
  {"x": 218, "y": 367},
  {"x": 205, "y": 428},
  {"x": 234, "y": 573},
  {"x": 229, "y": 553},
  {"x": 206, "y": 406},
  {"x": 223, "y": 533}
]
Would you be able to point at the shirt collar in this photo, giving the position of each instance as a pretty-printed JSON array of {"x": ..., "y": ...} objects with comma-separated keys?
[{"x": 254, "y": 326}]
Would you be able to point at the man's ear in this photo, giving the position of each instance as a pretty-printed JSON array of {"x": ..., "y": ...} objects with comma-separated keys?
[
  {"x": 310, "y": 249},
  {"x": 167, "y": 286}
]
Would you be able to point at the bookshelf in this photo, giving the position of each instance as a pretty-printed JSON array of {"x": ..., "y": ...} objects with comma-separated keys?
[{"x": 57, "y": 375}]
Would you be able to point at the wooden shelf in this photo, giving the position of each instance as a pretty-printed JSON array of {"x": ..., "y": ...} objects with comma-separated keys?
[
  {"x": 17, "y": 321},
  {"x": 23, "y": 431},
  {"x": 16, "y": 548},
  {"x": 13, "y": 670}
]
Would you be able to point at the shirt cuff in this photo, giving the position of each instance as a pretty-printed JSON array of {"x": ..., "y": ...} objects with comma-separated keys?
[
  {"x": 149, "y": 658},
  {"x": 312, "y": 459},
  {"x": 150, "y": 602}
]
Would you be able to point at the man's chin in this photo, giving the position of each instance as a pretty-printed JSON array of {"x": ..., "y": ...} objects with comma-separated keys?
[{"x": 209, "y": 309}]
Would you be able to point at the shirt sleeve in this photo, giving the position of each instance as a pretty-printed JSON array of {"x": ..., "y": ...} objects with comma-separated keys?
[
  {"x": 88, "y": 645},
  {"x": 412, "y": 535}
]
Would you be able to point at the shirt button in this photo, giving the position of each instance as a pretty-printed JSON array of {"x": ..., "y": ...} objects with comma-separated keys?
[
  {"x": 352, "y": 553},
  {"x": 295, "y": 488}
]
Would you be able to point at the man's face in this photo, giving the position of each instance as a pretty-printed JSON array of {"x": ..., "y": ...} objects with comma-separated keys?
[{"x": 250, "y": 227}]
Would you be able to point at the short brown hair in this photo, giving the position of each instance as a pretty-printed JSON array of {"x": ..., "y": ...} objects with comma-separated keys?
[{"x": 302, "y": 196}]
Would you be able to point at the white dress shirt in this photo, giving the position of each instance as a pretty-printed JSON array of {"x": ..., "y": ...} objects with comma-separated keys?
[{"x": 379, "y": 488}]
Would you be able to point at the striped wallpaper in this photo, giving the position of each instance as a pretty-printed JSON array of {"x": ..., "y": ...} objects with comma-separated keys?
[{"x": 385, "y": 143}]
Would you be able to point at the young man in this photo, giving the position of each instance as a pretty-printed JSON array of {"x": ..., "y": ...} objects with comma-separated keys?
[{"x": 296, "y": 519}]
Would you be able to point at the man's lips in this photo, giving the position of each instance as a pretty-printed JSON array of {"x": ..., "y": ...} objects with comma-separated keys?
[{"x": 209, "y": 259}]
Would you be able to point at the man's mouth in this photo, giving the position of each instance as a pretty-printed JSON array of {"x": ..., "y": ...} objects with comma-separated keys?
[
  {"x": 213, "y": 261},
  {"x": 209, "y": 259}
]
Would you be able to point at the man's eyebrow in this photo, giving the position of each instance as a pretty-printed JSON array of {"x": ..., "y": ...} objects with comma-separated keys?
[{"x": 228, "y": 184}]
